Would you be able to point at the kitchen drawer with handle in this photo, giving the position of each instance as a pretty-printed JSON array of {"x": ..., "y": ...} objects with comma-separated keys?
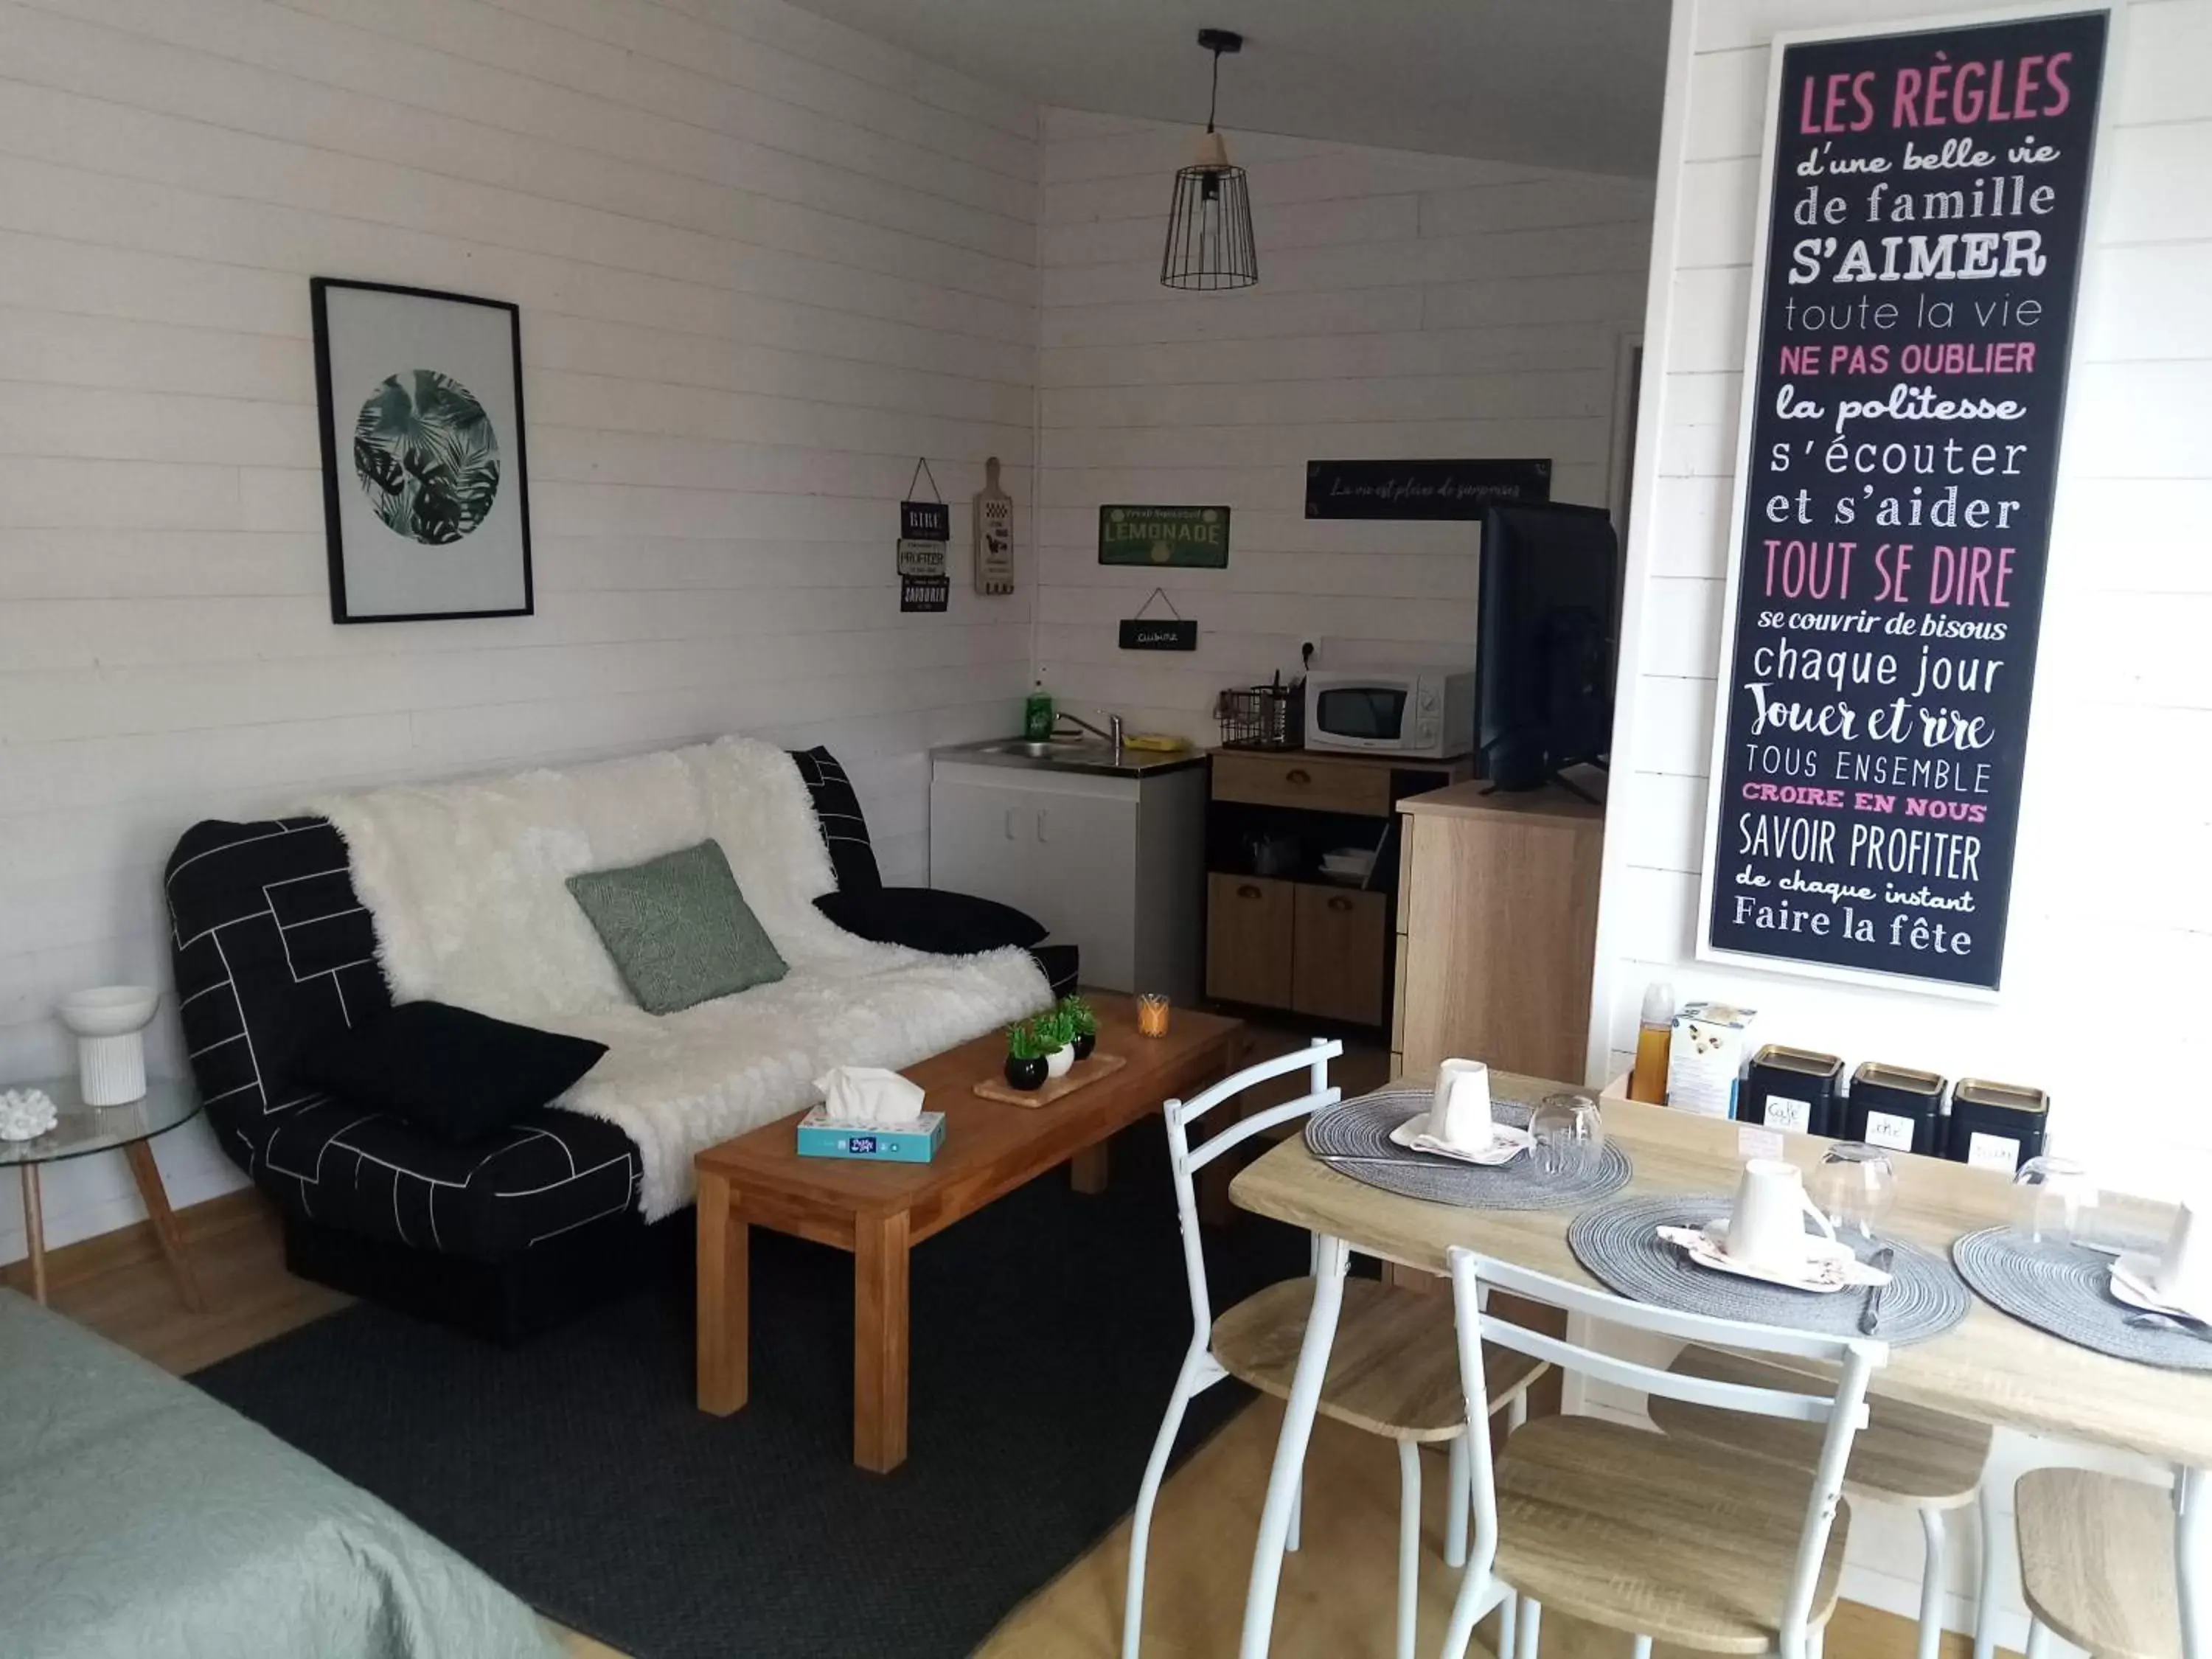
[
  {"x": 1344, "y": 948},
  {"x": 1249, "y": 923},
  {"x": 1300, "y": 780}
]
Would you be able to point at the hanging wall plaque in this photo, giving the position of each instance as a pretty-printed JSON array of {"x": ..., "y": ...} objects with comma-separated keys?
[
  {"x": 1919, "y": 246},
  {"x": 1196, "y": 537},
  {"x": 925, "y": 530},
  {"x": 993, "y": 528},
  {"x": 1173, "y": 632}
]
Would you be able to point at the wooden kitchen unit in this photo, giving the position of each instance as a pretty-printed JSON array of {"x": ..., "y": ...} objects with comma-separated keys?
[
  {"x": 1278, "y": 933},
  {"x": 1497, "y": 928}
]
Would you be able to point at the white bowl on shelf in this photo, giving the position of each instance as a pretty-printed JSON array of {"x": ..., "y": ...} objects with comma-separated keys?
[
  {"x": 107, "y": 1022},
  {"x": 108, "y": 1011}
]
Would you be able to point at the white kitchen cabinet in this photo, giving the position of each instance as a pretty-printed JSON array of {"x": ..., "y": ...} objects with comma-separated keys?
[{"x": 1112, "y": 864}]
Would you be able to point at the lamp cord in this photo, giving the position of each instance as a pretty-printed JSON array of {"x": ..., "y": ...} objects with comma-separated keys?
[{"x": 1213, "y": 96}]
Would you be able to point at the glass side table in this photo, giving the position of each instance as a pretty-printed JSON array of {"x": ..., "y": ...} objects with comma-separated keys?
[{"x": 84, "y": 1130}]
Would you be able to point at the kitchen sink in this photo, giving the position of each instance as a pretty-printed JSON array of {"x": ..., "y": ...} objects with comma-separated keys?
[
  {"x": 1058, "y": 749},
  {"x": 1072, "y": 755}
]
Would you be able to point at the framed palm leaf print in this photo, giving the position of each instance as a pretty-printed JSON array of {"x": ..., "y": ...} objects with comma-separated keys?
[{"x": 425, "y": 491}]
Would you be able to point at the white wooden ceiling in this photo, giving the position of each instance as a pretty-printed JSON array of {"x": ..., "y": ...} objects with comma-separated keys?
[{"x": 1572, "y": 84}]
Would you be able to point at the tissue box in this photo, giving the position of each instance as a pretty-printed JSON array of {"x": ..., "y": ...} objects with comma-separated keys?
[{"x": 819, "y": 1136}]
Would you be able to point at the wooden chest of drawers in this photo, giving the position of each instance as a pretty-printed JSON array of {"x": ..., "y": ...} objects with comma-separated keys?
[{"x": 1290, "y": 938}]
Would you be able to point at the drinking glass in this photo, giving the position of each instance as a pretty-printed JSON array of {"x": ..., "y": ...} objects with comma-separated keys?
[
  {"x": 2054, "y": 1200},
  {"x": 1569, "y": 1132},
  {"x": 1855, "y": 1187}
]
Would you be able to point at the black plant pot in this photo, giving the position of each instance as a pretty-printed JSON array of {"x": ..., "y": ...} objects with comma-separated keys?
[
  {"x": 1025, "y": 1073},
  {"x": 1084, "y": 1044}
]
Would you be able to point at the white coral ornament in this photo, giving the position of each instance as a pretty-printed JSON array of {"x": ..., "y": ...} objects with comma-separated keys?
[{"x": 26, "y": 1114}]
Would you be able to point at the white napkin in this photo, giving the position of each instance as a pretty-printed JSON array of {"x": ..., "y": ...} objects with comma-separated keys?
[{"x": 869, "y": 1095}]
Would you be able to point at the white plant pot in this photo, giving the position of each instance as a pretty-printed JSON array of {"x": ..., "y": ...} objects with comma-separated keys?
[
  {"x": 109, "y": 1022},
  {"x": 1057, "y": 1062}
]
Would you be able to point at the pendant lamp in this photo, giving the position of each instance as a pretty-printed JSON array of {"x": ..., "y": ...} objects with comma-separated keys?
[{"x": 1210, "y": 226}]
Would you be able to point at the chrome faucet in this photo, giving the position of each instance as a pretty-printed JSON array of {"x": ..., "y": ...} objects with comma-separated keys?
[{"x": 1112, "y": 736}]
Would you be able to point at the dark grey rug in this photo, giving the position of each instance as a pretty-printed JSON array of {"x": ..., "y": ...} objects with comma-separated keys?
[{"x": 1046, "y": 1331}]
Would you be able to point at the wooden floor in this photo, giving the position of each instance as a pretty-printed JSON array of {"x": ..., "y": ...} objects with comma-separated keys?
[
  {"x": 1338, "y": 1593},
  {"x": 1338, "y": 1597}
]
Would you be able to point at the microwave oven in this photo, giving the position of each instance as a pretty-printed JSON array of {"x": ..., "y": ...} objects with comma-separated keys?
[{"x": 1428, "y": 712}]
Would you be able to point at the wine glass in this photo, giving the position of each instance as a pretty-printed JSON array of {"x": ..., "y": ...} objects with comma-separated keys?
[
  {"x": 2054, "y": 1200},
  {"x": 1855, "y": 1187},
  {"x": 1569, "y": 1133}
]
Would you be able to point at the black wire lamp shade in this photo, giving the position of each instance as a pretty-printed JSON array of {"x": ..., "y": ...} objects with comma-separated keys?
[{"x": 1209, "y": 246}]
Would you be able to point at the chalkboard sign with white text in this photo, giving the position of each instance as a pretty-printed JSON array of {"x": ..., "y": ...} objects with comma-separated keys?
[
  {"x": 1422, "y": 488},
  {"x": 1905, "y": 397}
]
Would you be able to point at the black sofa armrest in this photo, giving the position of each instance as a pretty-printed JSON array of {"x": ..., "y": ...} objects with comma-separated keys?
[{"x": 925, "y": 919}]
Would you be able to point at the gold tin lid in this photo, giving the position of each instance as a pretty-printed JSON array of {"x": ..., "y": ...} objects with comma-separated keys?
[
  {"x": 1783, "y": 1059},
  {"x": 1902, "y": 1079},
  {"x": 2011, "y": 1097}
]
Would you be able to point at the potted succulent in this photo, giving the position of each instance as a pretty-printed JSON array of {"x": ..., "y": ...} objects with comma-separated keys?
[
  {"x": 1025, "y": 1061},
  {"x": 1055, "y": 1035},
  {"x": 1084, "y": 1020}
]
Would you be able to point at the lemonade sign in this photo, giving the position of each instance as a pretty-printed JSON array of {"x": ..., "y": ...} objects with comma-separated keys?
[{"x": 1187, "y": 535}]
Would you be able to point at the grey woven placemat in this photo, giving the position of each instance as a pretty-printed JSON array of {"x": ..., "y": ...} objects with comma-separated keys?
[
  {"x": 2060, "y": 1288},
  {"x": 1354, "y": 1139},
  {"x": 1619, "y": 1243}
]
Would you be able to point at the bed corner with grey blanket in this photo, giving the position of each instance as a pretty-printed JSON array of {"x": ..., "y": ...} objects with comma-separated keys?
[{"x": 140, "y": 1518}]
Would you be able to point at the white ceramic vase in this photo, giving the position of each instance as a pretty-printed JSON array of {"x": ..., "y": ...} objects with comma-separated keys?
[
  {"x": 1057, "y": 1062},
  {"x": 109, "y": 1022}
]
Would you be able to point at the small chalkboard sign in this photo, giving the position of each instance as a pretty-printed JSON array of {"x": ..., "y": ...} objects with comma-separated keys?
[
  {"x": 1920, "y": 246},
  {"x": 1173, "y": 634},
  {"x": 1422, "y": 488}
]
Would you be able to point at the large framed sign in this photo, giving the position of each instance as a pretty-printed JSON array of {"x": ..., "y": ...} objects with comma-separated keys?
[{"x": 1920, "y": 243}]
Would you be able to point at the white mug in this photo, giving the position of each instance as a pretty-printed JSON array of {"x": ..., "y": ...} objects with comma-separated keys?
[
  {"x": 1460, "y": 1115},
  {"x": 1766, "y": 1228},
  {"x": 2186, "y": 1264}
]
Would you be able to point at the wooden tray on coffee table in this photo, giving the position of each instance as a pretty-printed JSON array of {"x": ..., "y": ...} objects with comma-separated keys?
[{"x": 1057, "y": 1088}]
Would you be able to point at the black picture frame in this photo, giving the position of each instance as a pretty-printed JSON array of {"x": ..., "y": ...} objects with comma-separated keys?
[{"x": 319, "y": 289}]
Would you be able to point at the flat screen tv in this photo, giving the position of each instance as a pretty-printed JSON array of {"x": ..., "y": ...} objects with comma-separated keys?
[{"x": 1546, "y": 635}]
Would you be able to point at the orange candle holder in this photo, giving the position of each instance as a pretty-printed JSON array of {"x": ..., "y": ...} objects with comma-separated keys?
[{"x": 1151, "y": 1015}]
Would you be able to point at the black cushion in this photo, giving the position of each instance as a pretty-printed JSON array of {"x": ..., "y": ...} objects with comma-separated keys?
[
  {"x": 837, "y": 809},
  {"x": 456, "y": 1072},
  {"x": 924, "y": 919},
  {"x": 1061, "y": 966}
]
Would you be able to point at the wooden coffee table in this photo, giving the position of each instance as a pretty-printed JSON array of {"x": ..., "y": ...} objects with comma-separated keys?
[{"x": 879, "y": 1212}]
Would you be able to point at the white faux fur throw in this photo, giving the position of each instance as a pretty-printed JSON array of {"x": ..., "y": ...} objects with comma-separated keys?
[{"x": 465, "y": 883}]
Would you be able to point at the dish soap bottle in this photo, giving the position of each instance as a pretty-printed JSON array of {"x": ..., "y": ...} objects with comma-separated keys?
[
  {"x": 1037, "y": 715},
  {"x": 1654, "y": 1036}
]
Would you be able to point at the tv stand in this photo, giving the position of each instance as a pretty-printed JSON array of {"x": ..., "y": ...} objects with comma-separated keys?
[
  {"x": 1496, "y": 930},
  {"x": 1558, "y": 780}
]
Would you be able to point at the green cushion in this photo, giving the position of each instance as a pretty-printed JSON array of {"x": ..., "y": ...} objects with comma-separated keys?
[{"x": 679, "y": 929}]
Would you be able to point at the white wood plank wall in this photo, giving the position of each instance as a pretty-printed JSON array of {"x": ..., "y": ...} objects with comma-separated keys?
[
  {"x": 1407, "y": 305},
  {"x": 764, "y": 262},
  {"x": 2111, "y": 946}
]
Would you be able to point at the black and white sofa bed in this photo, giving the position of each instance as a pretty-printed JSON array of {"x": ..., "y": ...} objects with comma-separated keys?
[{"x": 274, "y": 951}]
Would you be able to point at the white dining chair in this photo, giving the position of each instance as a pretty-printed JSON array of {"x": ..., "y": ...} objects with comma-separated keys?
[
  {"x": 1664, "y": 1538},
  {"x": 1929, "y": 1462},
  {"x": 2096, "y": 1564},
  {"x": 1393, "y": 1370}
]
